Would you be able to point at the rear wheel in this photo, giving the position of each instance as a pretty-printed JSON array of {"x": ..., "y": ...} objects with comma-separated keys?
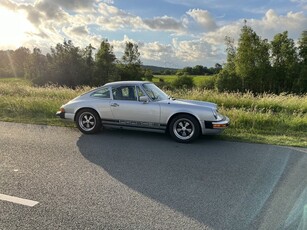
[
  {"x": 184, "y": 128},
  {"x": 88, "y": 121}
]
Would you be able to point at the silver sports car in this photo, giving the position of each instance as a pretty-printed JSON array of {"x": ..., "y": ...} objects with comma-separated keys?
[{"x": 141, "y": 105}]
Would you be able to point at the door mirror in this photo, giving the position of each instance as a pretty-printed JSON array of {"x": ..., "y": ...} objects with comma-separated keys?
[{"x": 144, "y": 99}]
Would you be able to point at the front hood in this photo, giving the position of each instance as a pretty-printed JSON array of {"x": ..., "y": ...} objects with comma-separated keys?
[{"x": 194, "y": 103}]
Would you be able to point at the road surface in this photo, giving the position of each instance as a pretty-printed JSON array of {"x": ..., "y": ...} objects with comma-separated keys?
[{"x": 135, "y": 180}]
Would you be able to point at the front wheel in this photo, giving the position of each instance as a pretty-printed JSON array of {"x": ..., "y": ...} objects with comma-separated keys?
[
  {"x": 184, "y": 128},
  {"x": 88, "y": 121}
]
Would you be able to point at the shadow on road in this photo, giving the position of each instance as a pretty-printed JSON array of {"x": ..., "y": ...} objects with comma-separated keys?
[{"x": 225, "y": 185}]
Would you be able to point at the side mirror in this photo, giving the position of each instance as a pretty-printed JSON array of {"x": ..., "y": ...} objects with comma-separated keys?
[{"x": 144, "y": 99}]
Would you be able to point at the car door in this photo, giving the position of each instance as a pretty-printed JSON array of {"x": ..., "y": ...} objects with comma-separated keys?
[{"x": 128, "y": 110}]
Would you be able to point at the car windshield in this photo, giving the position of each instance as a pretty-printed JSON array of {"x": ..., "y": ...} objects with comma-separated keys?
[{"x": 154, "y": 92}]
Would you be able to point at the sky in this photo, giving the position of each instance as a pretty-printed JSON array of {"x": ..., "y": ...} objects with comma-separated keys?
[{"x": 169, "y": 33}]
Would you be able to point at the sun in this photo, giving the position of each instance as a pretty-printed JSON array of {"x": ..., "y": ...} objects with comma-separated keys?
[{"x": 14, "y": 27}]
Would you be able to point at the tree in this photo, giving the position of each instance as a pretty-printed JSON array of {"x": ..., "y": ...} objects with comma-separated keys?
[
  {"x": 230, "y": 65},
  {"x": 285, "y": 62},
  {"x": 131, "y": 55},
  {"x": 198, "y": 70},
  {"x": 105, "y": 69},
  {"x": 130, "y": 67},
  {"x": 303, "y": 47},
  {"x": 19, "y": 59},
  {"x": 217, "y": 68},
  {"x": 66, "y": 65},
  {"x": 227, "y": 79},
  {"x": 187, "y": 70},
  {"x": 301, "y": 84},
  {"x": 6, "y": 64},
  {"x": 36, "y": 66},
  {"x": 252, "y": 60}
]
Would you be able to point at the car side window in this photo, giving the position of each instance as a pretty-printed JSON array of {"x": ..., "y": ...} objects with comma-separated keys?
[
  {"x": 124, "y": 93},
  {"x": 101, "y": 93},
  {"x": 139, "y": 92}
]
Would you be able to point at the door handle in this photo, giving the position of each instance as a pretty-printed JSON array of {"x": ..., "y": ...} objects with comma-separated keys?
[{"x": 114, "y": 105}]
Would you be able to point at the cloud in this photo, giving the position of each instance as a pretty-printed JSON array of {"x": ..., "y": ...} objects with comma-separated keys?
[
  {"x": 9, "y": 5},
  {"x": 48, "y": 10},
  {"x": 77, "y": 31},
  {"x": 194, "y": 50},
  {"x": 112, "y": 18},
  {"x": 272, "y": 23},
  {"x": 203, "y": 18},
  {"x": 266, "y": 27},
  {"x": 72, "y": 4},
  {"x": 165, "y": 23},
  {"x": 155, "y": 51}
]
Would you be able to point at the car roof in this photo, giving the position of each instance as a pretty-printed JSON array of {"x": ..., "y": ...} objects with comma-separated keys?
[{"x": 119, "y": 83}]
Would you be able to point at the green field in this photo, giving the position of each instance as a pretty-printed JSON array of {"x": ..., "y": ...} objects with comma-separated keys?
[
  {"x": 280, "y": 120},
  {"x": 198, "y": 80}
]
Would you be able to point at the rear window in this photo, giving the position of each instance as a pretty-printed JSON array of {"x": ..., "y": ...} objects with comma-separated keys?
[{"x": 101, "y": 93}]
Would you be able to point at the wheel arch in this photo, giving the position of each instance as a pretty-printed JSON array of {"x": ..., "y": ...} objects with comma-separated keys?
[
  {"x": 183, "y": 113},
  {"x": 82, "y": 108}
]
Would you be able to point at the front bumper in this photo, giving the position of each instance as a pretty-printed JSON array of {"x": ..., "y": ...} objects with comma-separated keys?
[
  {"x": 60, "y": 114},
  {"x": 216, "y": 127},
  {"x": 224, "y": 123}
]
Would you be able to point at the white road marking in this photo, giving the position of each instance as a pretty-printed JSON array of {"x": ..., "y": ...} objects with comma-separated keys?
[{"x": 18, "y": 200}]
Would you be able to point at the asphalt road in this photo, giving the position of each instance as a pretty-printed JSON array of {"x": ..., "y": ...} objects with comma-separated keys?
[{"x": 134, "y": 180}]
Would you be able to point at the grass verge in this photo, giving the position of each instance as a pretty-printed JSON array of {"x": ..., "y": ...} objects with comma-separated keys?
[{"x": 271, "y": 119}]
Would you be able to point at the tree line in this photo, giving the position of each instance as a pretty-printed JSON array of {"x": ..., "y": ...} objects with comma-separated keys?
[
  {"x": 196, "y": 70},
  {"x": 71, "y": 66},
  {"x": 260, "y": 66},
  {"x": 254, "y": 64}
]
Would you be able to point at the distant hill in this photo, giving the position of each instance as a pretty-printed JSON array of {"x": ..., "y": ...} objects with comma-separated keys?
[{"x": 157, "y": 68}]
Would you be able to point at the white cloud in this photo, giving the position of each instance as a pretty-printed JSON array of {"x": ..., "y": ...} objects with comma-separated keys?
[
  {"x": 204, "y": 18},
  {"x": 272, "y": 23},
  {"x": 267, "y": 27},
  {"x": 112, "y": 18},
  {"x": 156, "y": 51}
]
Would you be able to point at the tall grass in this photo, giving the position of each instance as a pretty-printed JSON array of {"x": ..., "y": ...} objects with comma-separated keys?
[
  {"x": 262, "y": 102},
  {"x": 266, "y": 118},
  {"x": 21, "y": 102}
]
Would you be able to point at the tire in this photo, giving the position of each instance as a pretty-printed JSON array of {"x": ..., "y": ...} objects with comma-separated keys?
[
  {"x": 184, "y": 128},
  {"x": 88, "y": 121}
]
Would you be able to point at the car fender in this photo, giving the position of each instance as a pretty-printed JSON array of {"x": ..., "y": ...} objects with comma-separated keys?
[{"x": 103, "y": 109}]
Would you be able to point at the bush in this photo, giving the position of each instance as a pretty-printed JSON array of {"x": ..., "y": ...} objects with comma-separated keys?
[
  {"x": 227, "y": 81},
  {"x": 207, "y": 82},
  {"x": 183, "y": 82},
  {"x": 164, "y": 85},
  {"x": 148, "y": 75}
]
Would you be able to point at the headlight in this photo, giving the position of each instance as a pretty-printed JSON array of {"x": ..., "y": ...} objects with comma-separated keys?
[{"x": 214, "y": 114}]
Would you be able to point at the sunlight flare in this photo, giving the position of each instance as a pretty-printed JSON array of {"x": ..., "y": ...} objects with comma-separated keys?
[{"x": 14, "y": 27}]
